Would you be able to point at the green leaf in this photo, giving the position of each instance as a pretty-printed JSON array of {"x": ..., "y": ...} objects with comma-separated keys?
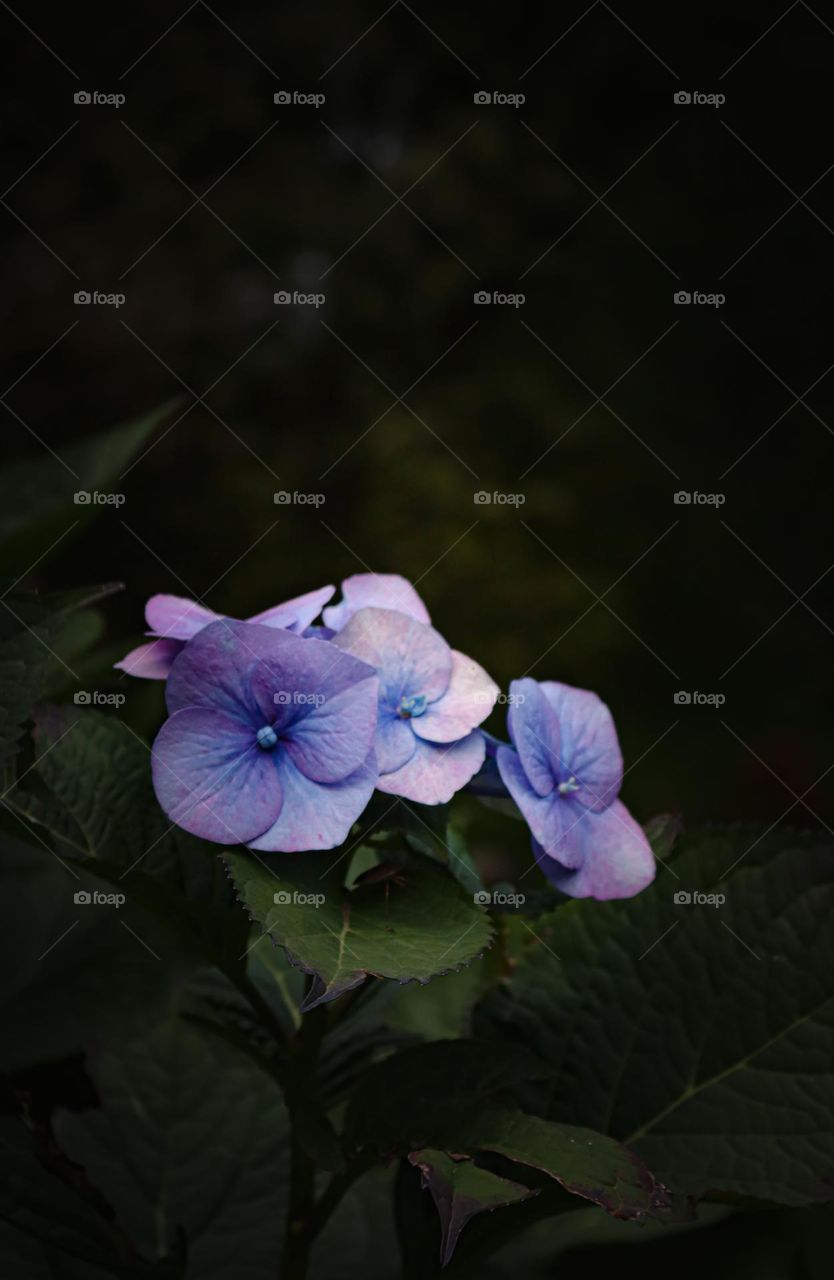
[
  {"x": 359, "y": 1239},
  {"x": 506, "y": 807},
  {"x": 362, "y": 1037},
  {"x": 443, "y": 1010},
  {"x": 191, "y": 1137},
  {"x": 700, "y": 1033},
  {"x": 426, "y": 830},
  {"x": 450, "y": 1095},
  {"x": 460, "y": 1189},
  {"x": 83, "y": 972},
  {"x": 662, "y": 832},
  {"x": 32, "y": 630},
  {"x": 46, "y": 1211},
  {"x": 391, "y": 1095},
  {"x": 95, "y": 794},
  {"x": 460, "y": 861},
  {"x": 415, "y": 925},
  {"x": 585, "y": 1163},
  {"x": 36, "y": 494}
]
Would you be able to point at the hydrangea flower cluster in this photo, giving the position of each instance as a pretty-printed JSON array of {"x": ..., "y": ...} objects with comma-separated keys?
[{"x": 279, "y": 731}]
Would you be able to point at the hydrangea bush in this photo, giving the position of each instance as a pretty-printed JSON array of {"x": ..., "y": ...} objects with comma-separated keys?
[{"x": 311, "y": 1013}]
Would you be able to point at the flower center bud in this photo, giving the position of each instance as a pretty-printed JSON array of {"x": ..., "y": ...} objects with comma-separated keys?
[
  {"x": 412, "y": 706},
  {"x": 267, "y": 737},
  {"x": 565, "y": 788}
]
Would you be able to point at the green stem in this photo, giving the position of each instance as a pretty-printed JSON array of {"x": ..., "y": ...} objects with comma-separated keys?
[
  {"x": 300, "y": 1232},
  {"x": 335, "y": 1190},
  {"x": 268, "y": 1018},
  {"x": 311, "y": 1216},
  {"x": 298, "y": 1238}
]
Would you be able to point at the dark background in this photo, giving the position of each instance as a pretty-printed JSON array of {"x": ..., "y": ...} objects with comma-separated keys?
[{"x": 598, "y": 198}]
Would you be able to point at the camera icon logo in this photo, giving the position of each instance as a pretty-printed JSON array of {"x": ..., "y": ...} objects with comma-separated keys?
[
  {"x": 682, "y": 98},
  {"x": 682, "y": 298},
  {"x": 82, "y": 698},
  {"x": 283, "y": 498},
  {"x": 281, "y": 98},
  {"x": 682, "y": 898},
  {"x": 282, "y": 298},
  {"x": 82, "y": 298},
  {"x": 82, "y": 898},
  {"x": 682, "y": 698},
  {"x": 482, "y": 298},
  {"x": 482, "y": 498},
  {"x": 82, "y": 98},
  {"x": 481, "y": 97},
  {"x": 682, "y": 498},
  {"x": 282, "y": 898},
  {"x": 482, "y": 898},
  {"x": 82, "y": 498}
]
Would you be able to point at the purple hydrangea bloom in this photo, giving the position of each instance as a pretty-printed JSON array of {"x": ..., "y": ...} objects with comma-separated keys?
[
  {"x": 269, "y": 741},
  {"x": 431, "y": 699},
  {"x": 174, "y": 620},
  {"x": 375, "y": 591},
  {"x": 564, "y": 772}
]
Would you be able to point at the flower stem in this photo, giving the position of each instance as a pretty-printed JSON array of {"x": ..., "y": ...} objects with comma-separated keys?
[{"x": 301, "y": 1225}]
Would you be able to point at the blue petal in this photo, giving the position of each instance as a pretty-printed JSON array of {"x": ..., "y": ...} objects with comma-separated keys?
[
  {"x": 316, "y": 815},
  {"x": 552, "y": 818},
  {"x": 212, "y": 779},
  {"x": 590, "y": 749},
  {"x": 534, "y": 729}
]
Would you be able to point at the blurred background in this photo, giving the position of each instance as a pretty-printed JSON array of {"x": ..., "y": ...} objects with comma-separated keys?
[{"x": 581, "y": 399}]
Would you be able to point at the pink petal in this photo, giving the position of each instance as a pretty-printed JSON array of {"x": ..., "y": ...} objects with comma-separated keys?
[
  {"x": 435, "y": 773},
  {"x": 410, "y": 657},
  {"x": 470, "y": 697},
  {"x": 298, "y": 613},
  {"x": 151, "y": 661},
  {"x": 617, "y": 861},
  {"x": 376, "y": 591},
  {"x": 177, "y": 617}
]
